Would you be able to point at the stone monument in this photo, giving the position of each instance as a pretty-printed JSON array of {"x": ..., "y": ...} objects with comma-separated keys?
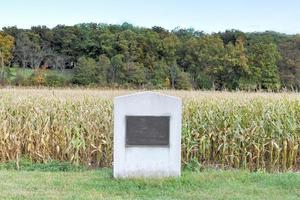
[{"x": 147, "y": 135}]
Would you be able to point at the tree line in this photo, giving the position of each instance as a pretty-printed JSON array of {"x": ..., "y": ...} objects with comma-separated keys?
[{"x": 129, "y": 56}]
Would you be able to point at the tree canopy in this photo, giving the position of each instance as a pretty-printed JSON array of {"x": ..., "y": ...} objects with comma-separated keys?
[{"x": 129, "y": 56}]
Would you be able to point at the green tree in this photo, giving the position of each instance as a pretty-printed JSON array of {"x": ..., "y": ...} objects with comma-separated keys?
[
  {"x": 263, "y": 58},
  {"x": 160, "y": 74},
  {"x": 235, "y": 64},
  {"x": 6, "y": 47},
  {"x": 289, "y": 66},
  {"x": 116, "y": 73},
  {"x": 183, "y": 81},
  {"x": 158, "y": 58},
  {"x": 169, "y": 49},
  {"x": 134, "y": 74},
  {"x": 231, "y": 36},
  {"x": 102, "y": 69},
  {"x": 85, "y": 72},
  {"x": 203, "y": 81},
  {"x": 201, "y": 57},
  {"x": 174, "y": 71}
]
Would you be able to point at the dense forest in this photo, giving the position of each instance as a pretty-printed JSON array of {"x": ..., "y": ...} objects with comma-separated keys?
[{"x": 136, "y": 57}]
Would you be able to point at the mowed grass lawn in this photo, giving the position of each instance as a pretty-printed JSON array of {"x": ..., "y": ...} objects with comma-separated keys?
[{"x": 99, "y": 184}]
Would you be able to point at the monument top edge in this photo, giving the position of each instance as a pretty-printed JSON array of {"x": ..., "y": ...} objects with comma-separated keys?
[{"x": 147, "y": 93}]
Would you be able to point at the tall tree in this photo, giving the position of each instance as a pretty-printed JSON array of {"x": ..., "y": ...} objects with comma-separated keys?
[
  {"x": 200, "y": 56},
  {"x": 22, "y": 49},
  {"x": 263, "y": 58},
  {"x": 116, "y": 74},
  {"x": 6, "y": 47},
  {"x": 289, "y": 66},
  {"x": 85, "y": 72},
  {"x": 235, "y": 64},
  {"x": 103, "y": 67},
  {"x": 30, "y": 50},
  {"x": 134, "y": 74}
]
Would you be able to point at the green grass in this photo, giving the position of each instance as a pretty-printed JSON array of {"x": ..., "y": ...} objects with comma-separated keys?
[
  {"x": 50, "y": 166},
  {"x": 67, "y": 73},
  {"x": 26, "y": 72},
  {"x": 99, "y": 184}
]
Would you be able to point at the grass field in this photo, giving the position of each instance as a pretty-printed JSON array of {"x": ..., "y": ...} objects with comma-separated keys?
[{"x": 99, "y": 184}]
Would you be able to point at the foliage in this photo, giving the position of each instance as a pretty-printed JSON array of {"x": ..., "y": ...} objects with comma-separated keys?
[
  {"x": 183, "y": 81},
  {"x": 38, "y": 77},
  {"x": 19, "y": 78},
  {"x": 134, "y": 74},
  {"x": 55, "y": 80},
  {"x": 203, "y": 81},
  {"x": 263, "y": 57},
  {"x": 116, "y": 70},
  {"x": 160, "y": 75},
  {"x": 86, "y": 71},
  {"x": 41, "y": 77},
  {"x": 136, "y": 57},
  {"x": 103, "y": 69},
  {"x": 5, "y": 74},
  {"x": 6, "y": 47},
  {"x": 289, "y": 65}
]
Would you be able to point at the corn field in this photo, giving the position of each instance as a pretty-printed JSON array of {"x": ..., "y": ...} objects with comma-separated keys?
[{"x": 255, "y": 131}]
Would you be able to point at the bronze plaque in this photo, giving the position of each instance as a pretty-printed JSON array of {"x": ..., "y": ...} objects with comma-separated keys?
[{"x": 147, "y": 130}]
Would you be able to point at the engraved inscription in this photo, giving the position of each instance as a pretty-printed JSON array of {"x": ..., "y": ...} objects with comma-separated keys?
[{"x": 147, "y": 130}]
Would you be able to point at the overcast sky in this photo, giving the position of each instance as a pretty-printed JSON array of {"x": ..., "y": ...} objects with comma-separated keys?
[{"x": 209, "y": 16}]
